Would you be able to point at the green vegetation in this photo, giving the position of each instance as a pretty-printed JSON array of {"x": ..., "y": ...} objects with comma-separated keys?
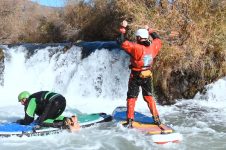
[{"x": 187, "y": 62}]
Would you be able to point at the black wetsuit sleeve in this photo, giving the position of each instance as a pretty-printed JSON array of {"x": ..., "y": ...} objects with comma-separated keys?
[
  {"x": 154, "y": 35},
  {"x": 29, "y": 112},
  {"x": 120, "y": 39},
  {"x": 26, "y": 121},
  {"x": 122, "y": 36}
]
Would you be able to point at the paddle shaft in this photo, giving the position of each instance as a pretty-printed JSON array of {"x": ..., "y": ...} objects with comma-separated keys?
[{"x": 162, "y": 129}]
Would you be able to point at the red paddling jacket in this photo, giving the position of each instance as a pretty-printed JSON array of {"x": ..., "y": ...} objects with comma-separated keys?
[{"x": 142, "y": 55}]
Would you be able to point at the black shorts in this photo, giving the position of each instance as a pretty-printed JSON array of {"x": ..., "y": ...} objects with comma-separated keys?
[{"x": 135, "y": 82}]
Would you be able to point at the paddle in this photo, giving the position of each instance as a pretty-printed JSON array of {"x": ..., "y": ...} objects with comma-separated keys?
[{"x": 162, "y": 129}]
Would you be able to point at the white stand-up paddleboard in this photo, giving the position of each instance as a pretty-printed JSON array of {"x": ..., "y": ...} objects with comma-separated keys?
[{"x": 161, "y": 134}]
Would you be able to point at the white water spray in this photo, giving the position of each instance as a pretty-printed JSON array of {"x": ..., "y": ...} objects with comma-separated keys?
[{"x": 98, "y": 83}]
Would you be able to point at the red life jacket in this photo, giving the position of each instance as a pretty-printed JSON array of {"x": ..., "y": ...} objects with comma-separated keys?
[{"x": 142, "y": 56}]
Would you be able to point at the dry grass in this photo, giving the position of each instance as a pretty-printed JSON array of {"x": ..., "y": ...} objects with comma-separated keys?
[
  {"x": 24, "y": 21},
  {"x": 196, "y": 21},
  {"x": 198, "y": 55}
]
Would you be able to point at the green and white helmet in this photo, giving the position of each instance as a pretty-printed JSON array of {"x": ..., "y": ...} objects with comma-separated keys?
[{"x": 23, "y": 95}]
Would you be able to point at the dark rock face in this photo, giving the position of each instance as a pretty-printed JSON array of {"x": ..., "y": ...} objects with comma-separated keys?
[
  {"x": 177, "y": 85},
  {"x": 180, "y": 84}
]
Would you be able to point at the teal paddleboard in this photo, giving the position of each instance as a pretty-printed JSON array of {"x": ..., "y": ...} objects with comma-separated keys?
[{"x": 85, "y": 120}]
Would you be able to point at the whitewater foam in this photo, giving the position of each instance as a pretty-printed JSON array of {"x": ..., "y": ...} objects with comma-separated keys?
[{"x": 98, "y": 83}]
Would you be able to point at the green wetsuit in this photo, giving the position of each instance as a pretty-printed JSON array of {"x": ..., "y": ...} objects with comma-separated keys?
[{"x": 47, "y": 105}]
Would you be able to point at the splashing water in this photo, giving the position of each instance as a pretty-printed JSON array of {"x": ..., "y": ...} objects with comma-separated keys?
[{"x": 98, "y": 83}]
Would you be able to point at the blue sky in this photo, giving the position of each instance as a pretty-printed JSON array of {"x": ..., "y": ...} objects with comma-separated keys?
[{"x": 53, "y": 3}]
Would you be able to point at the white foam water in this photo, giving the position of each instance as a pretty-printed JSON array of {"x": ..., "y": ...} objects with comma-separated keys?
[{"x": 98, "y": 83}]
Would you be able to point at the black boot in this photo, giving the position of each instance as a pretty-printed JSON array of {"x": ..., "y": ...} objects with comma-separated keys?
[
  {"x": 156, "y": 120},
  {"x": 128, "y": 124}
]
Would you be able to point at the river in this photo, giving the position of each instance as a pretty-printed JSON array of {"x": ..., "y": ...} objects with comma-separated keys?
[{"x": 95, "y": 80}]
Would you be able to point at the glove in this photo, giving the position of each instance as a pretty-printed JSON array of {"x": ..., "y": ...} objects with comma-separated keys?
[
  {"x": 150, "y": 30},
  {"x": 122, "y": 30},
  {"x": 37, "y": 127},
  {"x": 123, "y": 24}
]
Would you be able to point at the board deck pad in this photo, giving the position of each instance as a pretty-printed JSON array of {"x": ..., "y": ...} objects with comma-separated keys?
[
  {"x": 160, "y": 134},
  {"x": 119, "y": 114},
  {"x": 151, "y": 128},
  {"x": 85, "y": 120}
]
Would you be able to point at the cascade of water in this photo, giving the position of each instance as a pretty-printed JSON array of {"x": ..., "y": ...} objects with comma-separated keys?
[{"x": 101, "y": 75}]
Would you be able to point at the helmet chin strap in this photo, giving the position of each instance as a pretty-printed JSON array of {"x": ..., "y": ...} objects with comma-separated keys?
[
  {"x": 141, "y": 39},
  {"x": 144, "y": 42}
]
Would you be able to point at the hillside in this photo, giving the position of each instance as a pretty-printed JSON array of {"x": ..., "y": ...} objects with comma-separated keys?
[{"x": 23, "y": 20}]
